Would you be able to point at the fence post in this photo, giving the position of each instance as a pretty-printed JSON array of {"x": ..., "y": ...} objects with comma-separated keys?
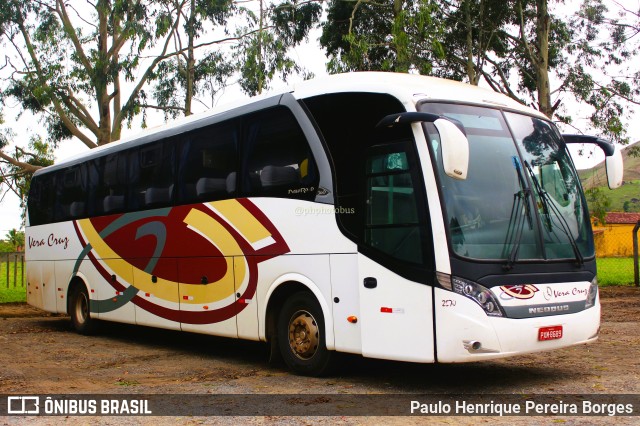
[
  {"x": 636, "y": 274},
  {"x": 15, "y": 270},
  {"x": 7, "y": 267}
]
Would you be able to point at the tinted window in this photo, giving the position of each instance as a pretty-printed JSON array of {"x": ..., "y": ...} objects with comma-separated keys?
[
  {"x": 392, "y": 224},
  {"x": 151, "y": 173},
  {"x": 277, "y": 160},
  {"x": 71, "y": 193},
  {"x": 40, "y": 202},
  {"x": 208, "y": 164},
  {"x": 112, "y": 190},
  {"x": 378, "y": 189}
]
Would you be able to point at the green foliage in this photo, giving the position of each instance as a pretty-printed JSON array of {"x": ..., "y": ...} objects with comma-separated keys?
[
  {"x": 6, "y": 247},
  {"x": 15, "y": 178},
  {"x": 399, "y": 36},
  {"x": 615, "y": 270},
  {"x": 14, "y": 292},
  {"x": 11, "y": 294},
  {"x": 599, "y": 204},
  {"x": 521, "y": 48},
  {"x": 15, "y": 239},
  {"x": 626, "y": 198},
  {"x": 69, "y": 61},
  {"x": 262, "y": 53},
  {"x": 604, "y": 41}
]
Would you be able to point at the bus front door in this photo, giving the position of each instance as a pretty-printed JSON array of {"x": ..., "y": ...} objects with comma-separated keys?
[{"x": 395, "y": 314}]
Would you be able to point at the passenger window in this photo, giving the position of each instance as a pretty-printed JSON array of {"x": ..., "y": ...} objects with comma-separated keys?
[
  {"x": 208, "y": 164},
  {"x": 151, "y": 172},
  {"x": 71, "y": 193},
  {"x": 114, "y": 183},
  {"x": 392, "y": 224},
  {"x": 41, "y": 199},
  {"x": 277, "y": 161}
]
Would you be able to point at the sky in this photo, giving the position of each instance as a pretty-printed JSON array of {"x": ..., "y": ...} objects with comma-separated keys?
[{"x": 309, "y": 55}]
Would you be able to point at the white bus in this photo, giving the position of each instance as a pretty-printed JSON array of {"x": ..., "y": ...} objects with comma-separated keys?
[{"x": 394, "y": 216}]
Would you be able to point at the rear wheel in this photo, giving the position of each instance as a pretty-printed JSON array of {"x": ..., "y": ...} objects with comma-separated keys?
[
  {"x": 301, "y": 336},
  {"x": 80, "y": 311}
]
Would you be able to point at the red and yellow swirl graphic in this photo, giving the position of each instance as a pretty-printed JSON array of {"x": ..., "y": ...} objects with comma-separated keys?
[
  {"x": 520, "y": 291},
  {"x": 195, "y": 264}
]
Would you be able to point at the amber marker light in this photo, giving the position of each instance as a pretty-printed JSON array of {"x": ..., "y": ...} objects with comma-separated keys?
[{"x": 352, "y": 319}]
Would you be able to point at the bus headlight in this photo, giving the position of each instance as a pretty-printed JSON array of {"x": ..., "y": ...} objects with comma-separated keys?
[
  {"x": 479, "y": 294},
  {"x": 593, "y": 292}
]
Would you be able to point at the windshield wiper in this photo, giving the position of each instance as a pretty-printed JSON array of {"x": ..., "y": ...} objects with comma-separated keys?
[
  {"x": 547, "y": 206},
  {"x": 517, "y": 219}
]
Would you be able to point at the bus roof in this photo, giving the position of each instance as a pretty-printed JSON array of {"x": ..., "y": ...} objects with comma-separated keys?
[{"x": 407, "y": 88}]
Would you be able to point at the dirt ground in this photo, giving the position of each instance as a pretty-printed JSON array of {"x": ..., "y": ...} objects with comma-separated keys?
[{"x": 40, "y": 354}]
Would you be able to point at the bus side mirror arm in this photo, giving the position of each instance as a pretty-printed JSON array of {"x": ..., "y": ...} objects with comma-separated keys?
[
  {"x": 454, "y": 143},
  {"x": 613, "y": 160}
]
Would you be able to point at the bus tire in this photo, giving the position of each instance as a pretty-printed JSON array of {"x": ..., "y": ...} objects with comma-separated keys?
[
  {"x": 301, "y": 336},
  {"x": 80, "y": 311}
]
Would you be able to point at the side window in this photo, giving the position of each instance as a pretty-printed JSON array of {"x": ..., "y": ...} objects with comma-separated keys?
[
  {"x": 151, "y": 173},
  {"x": 392, "y": 224},
  {"x": 277, "y": 161},
  {"x": 71, "y": 193},
  {"x": 111, "y": 194},
  {"x": 95, "y": 193},
  {"x": 208, "y": 164},
  {"x": 40, "y": 202}
]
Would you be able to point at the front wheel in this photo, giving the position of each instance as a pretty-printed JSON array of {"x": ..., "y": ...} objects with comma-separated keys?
[
  {"x": 80, "y": 311},
  {"x": 301, "y": 336}
]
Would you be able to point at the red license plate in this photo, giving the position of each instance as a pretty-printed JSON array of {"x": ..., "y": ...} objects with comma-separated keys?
[{"x": 550, "y": 333}]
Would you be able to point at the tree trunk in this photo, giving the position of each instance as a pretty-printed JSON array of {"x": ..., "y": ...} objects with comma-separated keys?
[
  {"x": 471, "y": 69},
  {"x": 191, "y": 61},
  {"x": 401, "y": 47},
  {"x": 543, "y": 28},
  {"x": 260, "y": 66},
  {"x": 101, "y": 72}
]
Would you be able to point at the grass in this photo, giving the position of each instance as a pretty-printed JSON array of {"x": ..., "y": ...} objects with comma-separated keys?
[
  {"x": 11, "y": 294},
  {"x": 615, "y": 271},
  {"x": 8, "y": 295},
  {"x": 627, "y": 192},
  {"x": 611, "y": 271}
]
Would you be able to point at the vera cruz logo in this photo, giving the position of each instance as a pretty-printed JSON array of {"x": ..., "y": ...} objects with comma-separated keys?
[
  {"x": 520, "y": 291},
  {"x": 194, "y": 264}
]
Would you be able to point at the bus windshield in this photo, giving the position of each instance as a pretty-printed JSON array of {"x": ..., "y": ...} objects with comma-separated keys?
[{"x": 522, "y": 199}]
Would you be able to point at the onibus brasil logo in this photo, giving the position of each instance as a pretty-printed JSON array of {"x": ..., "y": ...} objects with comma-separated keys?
[{"x": 195, "y": 264}]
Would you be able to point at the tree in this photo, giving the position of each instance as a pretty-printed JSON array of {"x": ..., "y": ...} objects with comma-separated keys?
[
  {"x": 15, "y": 175},
  {"x": 15, "y": 239},
  {"x": 606, "y": 41},
  {"x": 69, "y": 64},
  {"x": 474, "y": 39},
  {"x": 272, "y": 32},
  {"x": 85, "y": 68},
  {"x": 182, "y": 77},
  {"x": 522, "y": 48},
  {"x": 599, "y": 204},
  {"x": 365, "y": 35}
]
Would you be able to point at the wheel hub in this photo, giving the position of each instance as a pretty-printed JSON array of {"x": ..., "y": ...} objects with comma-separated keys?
[{"x": 303, "y": 335}]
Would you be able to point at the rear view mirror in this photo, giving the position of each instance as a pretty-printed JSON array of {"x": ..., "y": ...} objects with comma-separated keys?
[
  {"x": 455, "y": 149},
  {"x": 613, "y": 160},
  {"x": 614, "y": 167},
  {"x": 455, "y": 145}
]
